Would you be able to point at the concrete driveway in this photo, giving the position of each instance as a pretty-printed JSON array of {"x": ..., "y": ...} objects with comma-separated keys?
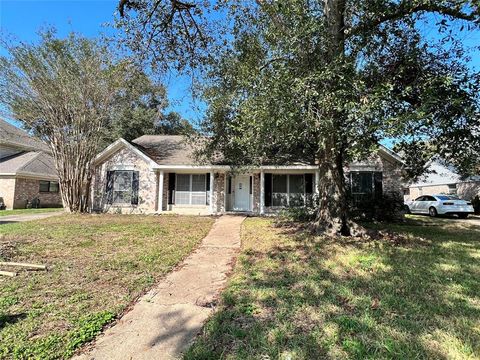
[{"x": 27, "y": 217}]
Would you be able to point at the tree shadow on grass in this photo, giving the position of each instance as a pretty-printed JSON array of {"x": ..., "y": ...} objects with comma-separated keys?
[
  {"x": 8, "y": 319},
  {"x": 308, "y": 297}
]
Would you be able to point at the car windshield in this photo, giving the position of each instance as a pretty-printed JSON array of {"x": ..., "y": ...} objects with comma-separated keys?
[{"x": 447, "y": 197}]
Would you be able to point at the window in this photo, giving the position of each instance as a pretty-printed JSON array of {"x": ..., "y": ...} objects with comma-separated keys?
[
  {"x": 290, "y": 190},
  {"x": 122, "y": 187},
  {"x": 191, "y": 189},
  {"x": 49, "y": 186},
  {"x": 452, "y": 189},
  {"x": 279, "y": 190},
  {"x": 297, "y": 190},
  {"x": 365, "y": 185}
]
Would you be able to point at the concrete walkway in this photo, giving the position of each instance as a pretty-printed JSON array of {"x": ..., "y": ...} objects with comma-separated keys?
[
  {"x": 164, "y": 322},
  {"x": 27, "y": 217}
]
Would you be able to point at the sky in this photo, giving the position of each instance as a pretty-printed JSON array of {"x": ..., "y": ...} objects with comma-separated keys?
[{"x": 21, "y": 20}]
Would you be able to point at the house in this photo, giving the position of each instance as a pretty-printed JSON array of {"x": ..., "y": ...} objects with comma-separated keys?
[
  {"x": 158, "y": 173},
  {"x": 27, "y": 171},
  {"x": 443, "y": 179}
]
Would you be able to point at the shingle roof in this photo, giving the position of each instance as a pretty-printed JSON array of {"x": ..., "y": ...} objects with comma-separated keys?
[
  {"x": 166, "y": 149},
  {"x": 12, "y": 135},
  {"x": 31, "y": 162}
]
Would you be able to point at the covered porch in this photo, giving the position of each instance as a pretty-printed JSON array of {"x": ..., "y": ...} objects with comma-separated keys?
[{"x": 204, "y": 191}]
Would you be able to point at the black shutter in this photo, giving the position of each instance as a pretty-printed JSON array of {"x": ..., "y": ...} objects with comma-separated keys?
[
  {"x": 378, "y": 184},
  {"x": 251, "y": 184},
  {"x": 135, "y": 188},
  {"x": 308, "y": 183},
  {"x": 171, "y": 188},
  {"x": 268, "y": 189},
  {"x": 207, "y": 195},
  {"x": 229, "y": 185},
  {"x": 109, "y": 187}
]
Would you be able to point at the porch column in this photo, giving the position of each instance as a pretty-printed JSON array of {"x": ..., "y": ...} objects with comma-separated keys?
[
  {"x": 262, "y": 192},
  {"x": 160, "y": 191},
  {"x": 212, "y": 189},
  {"x": 317, "y": 180}
]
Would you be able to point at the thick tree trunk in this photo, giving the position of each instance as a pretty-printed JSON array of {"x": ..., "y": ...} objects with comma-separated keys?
[{"x": 332, "y": 216}]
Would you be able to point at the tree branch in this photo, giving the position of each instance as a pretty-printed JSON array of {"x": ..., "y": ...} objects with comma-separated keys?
[{"x": 406, "y": 8}]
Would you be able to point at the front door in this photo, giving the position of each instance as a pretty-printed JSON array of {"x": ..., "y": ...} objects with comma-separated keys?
[{"x": 242, "y": 193}]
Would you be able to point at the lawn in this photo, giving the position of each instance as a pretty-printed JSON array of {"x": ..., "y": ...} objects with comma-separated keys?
[
  {"x": 98, "y": 265},
  {"x": 28, "y": 211},
  {"x": 298, "y": 296}
]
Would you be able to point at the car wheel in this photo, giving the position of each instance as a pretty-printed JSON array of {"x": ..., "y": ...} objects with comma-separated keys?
[
  {"x": 432, "y": 212},
  {"x": 406, "y": 208},
  {"x": 463, "y": 216}
]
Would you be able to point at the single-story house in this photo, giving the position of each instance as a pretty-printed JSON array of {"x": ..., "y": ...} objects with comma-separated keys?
[
  {"x": 158, "y": 173},
  {"x": 443, "y": 179},
  {"x": 27, "y": 170}
]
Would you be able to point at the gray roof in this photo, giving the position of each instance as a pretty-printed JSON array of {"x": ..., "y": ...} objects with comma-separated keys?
[
  {"x": 12, "y": 135},
  {"x": 28, "y": 162},
  {"x": 166, "y": 149},
  {"x": 439, "y": 173}
]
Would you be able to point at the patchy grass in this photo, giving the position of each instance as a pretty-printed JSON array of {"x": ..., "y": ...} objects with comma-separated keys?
[
  {"x": 98, "y": 264},
  {"x": 28, "y": 211},
  {"x": 297, "y": 296}
]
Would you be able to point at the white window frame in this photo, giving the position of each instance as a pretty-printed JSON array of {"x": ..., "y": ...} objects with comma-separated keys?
[
  {"x": 304, "y": 194},
  {"x": 190, "y": 192},
  {"x": 130, "y": 191}
]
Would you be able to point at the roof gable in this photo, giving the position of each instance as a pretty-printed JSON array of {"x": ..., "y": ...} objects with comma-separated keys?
[
  {"x": 28, "y": 163},
  {"x": 14, "y": 136},
  {"x": 122, "y": 144}
]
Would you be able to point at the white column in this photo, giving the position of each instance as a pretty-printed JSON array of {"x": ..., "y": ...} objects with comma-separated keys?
[
  {"x": 262, "y": 192},
  {"x": 212, "y": 189},
  {"x": 160, "y": 191},
  {"x": 317, "y": 180}
]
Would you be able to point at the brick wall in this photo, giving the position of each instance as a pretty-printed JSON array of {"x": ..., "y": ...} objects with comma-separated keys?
[
  {"x": 126, "y": 159},
  {"x": 219, "y": 193},
  {"x": 28, "y": 189}
]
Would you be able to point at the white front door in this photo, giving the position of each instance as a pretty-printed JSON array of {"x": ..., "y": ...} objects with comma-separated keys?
[{"x": 242, "y": 193}]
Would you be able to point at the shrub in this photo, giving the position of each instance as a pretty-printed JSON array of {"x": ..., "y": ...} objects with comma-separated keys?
[
  {"x": 386, "y": 208},
  {"x": 476, "y": 204}
]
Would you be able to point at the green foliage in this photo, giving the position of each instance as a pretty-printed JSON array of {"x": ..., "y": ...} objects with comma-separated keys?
[
  {"x": 298, "y": 80},
  {"x": 86, "y": 329},
  {"x": 140, "y": 109},
  {"x": 386, "y": 208},
  {"x": 296, "y": 295}
]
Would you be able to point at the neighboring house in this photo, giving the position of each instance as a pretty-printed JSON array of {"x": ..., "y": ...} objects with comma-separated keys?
[
  {"x": 442, "y": 179},
  {"x": 27, "y": 171},
  {"x": 157, "y": 173}
]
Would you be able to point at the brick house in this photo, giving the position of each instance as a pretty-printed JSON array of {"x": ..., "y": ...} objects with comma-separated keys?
[
  {"x": 27, "y": 171},
  {"x": 443, "y": 179},
  {"x": 158, "y": 173}
]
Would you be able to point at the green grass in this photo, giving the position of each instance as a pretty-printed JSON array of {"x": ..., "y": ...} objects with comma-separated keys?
[
  {"x": 98, "y": 265},
  {"x": 28, "y": 211},
  {"x": 297, "y": 296}
]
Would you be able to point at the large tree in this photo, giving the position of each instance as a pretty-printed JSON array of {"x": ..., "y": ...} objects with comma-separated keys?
[
  {"x": 323, "y": 80},
  {"x": 142, "y": 108},
  {"x": 69, "y": 92}
]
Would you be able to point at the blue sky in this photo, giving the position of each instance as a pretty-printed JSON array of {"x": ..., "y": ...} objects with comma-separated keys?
[{"x": 21, "y": 19}]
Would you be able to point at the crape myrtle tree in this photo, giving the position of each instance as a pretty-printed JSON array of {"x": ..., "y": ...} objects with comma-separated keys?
[
  {"x": 322, "y": 80},
  {"x": 76, "y": 95}
]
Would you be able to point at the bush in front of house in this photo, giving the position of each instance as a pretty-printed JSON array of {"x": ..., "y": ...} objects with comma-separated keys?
[{"x": 388, "y": 207}]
